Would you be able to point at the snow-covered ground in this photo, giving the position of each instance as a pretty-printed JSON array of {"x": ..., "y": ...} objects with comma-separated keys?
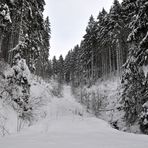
[{"x": 67, "y": 125}]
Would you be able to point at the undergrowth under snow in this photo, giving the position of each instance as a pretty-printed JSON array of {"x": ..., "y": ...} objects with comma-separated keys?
[{"x": 104, "y": 100}]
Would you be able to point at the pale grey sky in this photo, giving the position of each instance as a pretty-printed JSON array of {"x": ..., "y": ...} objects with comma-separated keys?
[{"x": 69, "y": 19}]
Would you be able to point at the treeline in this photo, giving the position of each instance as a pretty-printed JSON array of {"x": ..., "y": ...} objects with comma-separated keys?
[
  {"x": 115, "y": 44},
  {"x": 104, "y": 47},
  {"x": 23, "y": 30}
]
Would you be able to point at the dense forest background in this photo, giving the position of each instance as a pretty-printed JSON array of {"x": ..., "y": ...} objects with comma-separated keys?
[
  {"x": 24, "y": 30},
  {"x": 115, "y": 45}
]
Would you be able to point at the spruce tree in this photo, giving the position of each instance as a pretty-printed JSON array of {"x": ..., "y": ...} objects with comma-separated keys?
[
  {"x": 55, "y": 67},
  {"x": 18, "y": 88},
  {"x": 135, "y": 81},
  {"x": 90, "y": 43},
  {"x": 116, "y": 31},
  {"x": 61, "y": 69}
]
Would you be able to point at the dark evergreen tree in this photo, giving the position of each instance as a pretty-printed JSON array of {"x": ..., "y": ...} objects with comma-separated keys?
[
  {"x": 117, "y": 29},
  {"x": 49, "y": 69},
  {"x": 90, "y": 46},
  {"x": 103, "y": 42},
  {"x": 55, "y": 67},
  {"x": 61, "y": 69},
  {"x": 42, "y": 60},
  {"x": 67, "y": 67},
  {"x": 135, "y": 82}
]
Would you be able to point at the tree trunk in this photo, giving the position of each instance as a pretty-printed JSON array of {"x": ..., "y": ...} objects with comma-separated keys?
[{"x": 1, "y": 39}]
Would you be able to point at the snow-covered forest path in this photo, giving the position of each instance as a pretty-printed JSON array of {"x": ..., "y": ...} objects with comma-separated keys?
[{"x": 65, "y": 127}]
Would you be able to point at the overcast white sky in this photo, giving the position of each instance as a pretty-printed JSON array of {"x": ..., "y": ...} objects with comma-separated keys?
[{"x": 68, "y": 20}]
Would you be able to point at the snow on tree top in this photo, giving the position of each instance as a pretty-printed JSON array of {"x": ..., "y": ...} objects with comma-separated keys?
[
  {"x": 20, "y": 67},
  {"x": 5, "y": 12},
  {"x": 145, "y": 105}
]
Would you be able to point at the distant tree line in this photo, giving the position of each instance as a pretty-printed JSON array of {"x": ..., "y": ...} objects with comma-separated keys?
[{"x": 103, "y": 49}]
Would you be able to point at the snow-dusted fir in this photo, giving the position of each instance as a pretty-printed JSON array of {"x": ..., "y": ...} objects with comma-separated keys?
[
  {"x": 18, "y": 86},
  {"x": 135, "y": 75}
]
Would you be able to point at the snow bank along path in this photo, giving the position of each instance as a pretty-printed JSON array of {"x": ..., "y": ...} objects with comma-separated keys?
[{"x": 65, "y": 127}]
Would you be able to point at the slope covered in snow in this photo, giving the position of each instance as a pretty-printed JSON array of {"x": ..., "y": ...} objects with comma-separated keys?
[{"x": 67, "y": 125}]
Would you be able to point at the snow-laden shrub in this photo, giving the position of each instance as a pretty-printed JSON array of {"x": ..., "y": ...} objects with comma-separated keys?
[
  {"x": 91, "y": 99},
  {"x": 56, "y": 88},
  {"x": 17, "y": 88},
  {"x": 3, "y": 66},
  {"x": 8, "y": 118},
  {"x": 104, "y": 100}
]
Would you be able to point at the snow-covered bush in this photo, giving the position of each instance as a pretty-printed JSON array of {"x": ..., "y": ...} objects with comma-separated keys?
[
  {"x": 91, "y": 99},
  {"x": 103, "y": 100},
  {"x": 56, "y": 88},
  {"x": 8, "y": 117},
  {"x": 17, "y": 87},
  {"x": 3, "y": 67}
]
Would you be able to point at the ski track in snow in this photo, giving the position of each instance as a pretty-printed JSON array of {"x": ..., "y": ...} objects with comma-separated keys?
[{"x": 65, "y": 128}]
